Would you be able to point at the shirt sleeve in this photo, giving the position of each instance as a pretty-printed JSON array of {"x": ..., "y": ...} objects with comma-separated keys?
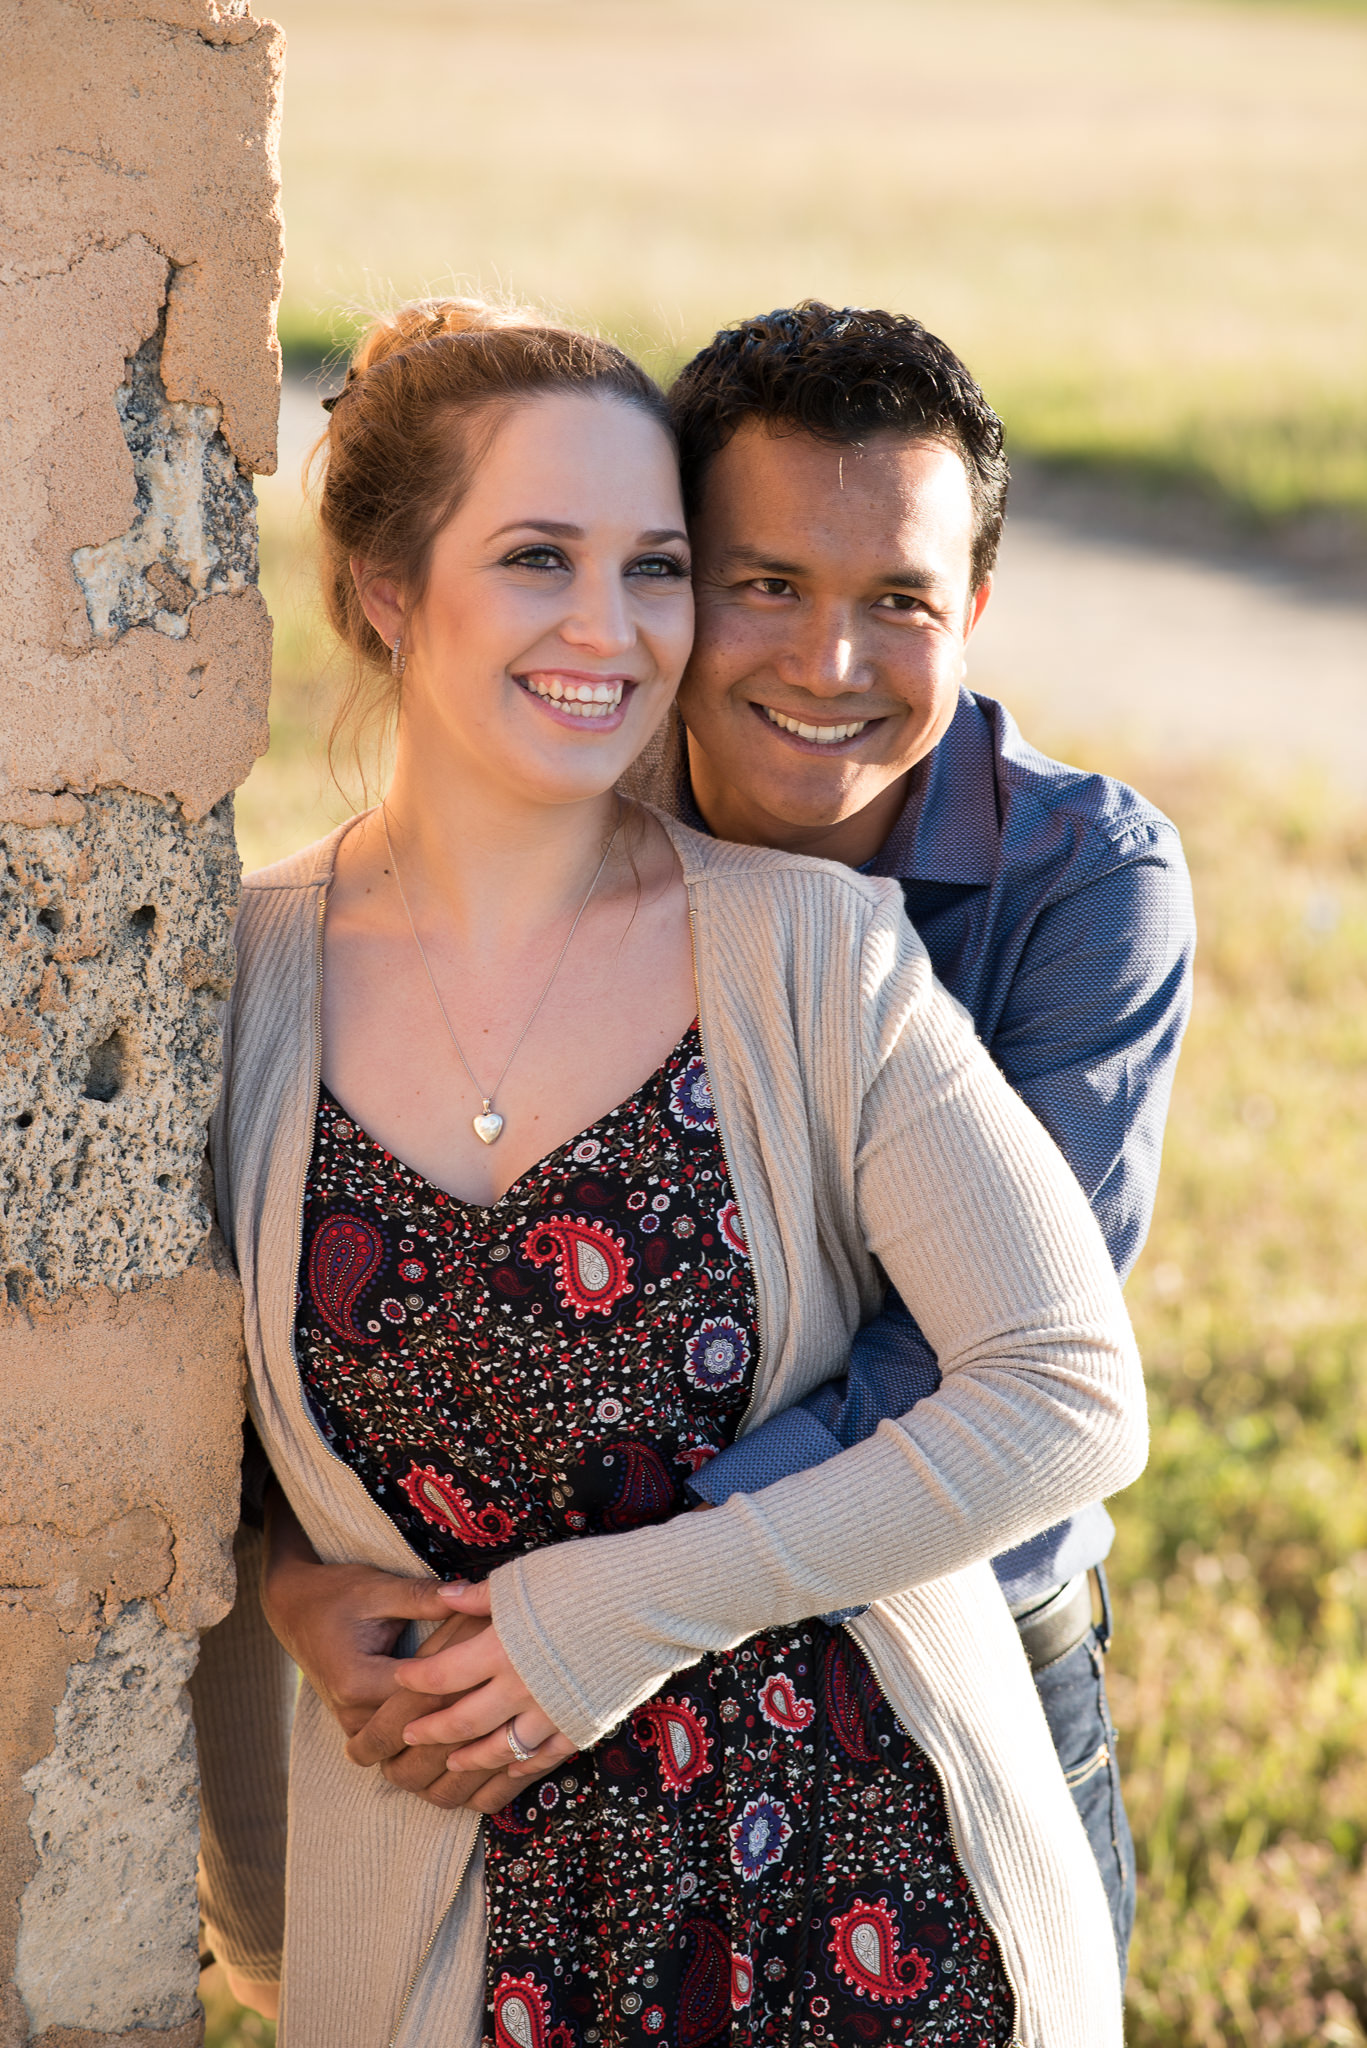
[
  {"x": 1091, "y": 1029},
  {"x": 1088, "y": 1037}
]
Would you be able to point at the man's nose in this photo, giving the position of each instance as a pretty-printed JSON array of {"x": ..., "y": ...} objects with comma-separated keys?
[{"x": 827, "y": 660}]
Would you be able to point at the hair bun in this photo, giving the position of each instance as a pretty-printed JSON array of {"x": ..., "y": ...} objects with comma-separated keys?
[{"x": 426, "y": 319}]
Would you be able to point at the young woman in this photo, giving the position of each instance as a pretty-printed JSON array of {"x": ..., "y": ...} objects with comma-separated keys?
[{"x": 557, "y": 1145}]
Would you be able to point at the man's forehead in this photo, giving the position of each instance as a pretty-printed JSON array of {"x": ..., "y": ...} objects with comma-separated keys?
[{"x": 777, "y": 500}]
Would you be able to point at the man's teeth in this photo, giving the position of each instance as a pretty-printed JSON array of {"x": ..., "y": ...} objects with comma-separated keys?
[
  {"x": 581, "y": 700},
  {"x": 826, "y": 734}
]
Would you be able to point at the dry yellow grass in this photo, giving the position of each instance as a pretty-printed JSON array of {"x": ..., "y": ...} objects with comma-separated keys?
[{"x": 1141, "y": 222}]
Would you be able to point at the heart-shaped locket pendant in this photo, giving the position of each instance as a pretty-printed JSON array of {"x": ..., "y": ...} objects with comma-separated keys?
[{"x": 487, "y": 1125}]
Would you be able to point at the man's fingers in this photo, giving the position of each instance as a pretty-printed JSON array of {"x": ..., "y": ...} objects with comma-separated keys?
[
  {"x": 438, "y": 1786},
  {"x": 383, "y": 1595},
  {"x": 381, "y": 1735}
]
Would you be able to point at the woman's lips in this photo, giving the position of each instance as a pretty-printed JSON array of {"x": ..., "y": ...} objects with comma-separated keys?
[{"x": 578, "y": 699}]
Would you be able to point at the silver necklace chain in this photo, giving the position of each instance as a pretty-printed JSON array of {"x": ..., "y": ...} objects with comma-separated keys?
[{"x": 488, "y": 1125}]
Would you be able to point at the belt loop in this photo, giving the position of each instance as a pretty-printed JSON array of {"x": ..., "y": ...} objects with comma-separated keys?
[{"x": 1104, "y": 1595}]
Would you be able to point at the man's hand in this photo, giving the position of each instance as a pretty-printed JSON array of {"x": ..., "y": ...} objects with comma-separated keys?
[
  {"x": 479, "y": 1696},
  {"x": 421, "y": 1767},
  {"x": 339, "y": 1622}
]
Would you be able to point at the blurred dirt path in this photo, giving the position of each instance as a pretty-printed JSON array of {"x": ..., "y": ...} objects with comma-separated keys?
[
  {"x": 1114, "y": 619},
  {"x": 1109, "y": 619}
]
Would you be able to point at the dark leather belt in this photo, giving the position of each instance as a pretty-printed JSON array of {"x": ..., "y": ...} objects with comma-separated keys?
[{"x": 1052, "y": 1630}]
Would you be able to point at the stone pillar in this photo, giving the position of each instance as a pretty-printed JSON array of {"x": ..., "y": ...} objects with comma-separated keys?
[{"x": 139, "y": 269}]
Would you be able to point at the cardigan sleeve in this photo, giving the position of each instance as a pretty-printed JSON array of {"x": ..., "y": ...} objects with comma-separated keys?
[{"x": 977, "y": 1220}]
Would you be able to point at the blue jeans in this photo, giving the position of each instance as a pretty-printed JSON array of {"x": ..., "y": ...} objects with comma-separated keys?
[{"x": 1073, "y": 1694}]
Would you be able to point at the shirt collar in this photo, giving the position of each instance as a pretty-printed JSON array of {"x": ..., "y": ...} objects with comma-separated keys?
[{"x": 949, "y": 828}]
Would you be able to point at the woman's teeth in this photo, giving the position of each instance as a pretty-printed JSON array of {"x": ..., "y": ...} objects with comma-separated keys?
[
  {"x": 825, "y": 735},
  {"x": 581, "y": 700}
]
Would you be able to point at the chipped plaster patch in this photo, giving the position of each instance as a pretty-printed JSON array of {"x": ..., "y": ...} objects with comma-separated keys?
[
  {"x": 115, "y": 957},
  {"x": 194, "y": 530},
  {"x": 115, "y": 1822}
]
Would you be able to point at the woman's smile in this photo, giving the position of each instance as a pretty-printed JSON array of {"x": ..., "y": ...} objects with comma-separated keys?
[{"x": 576, "y": 696}]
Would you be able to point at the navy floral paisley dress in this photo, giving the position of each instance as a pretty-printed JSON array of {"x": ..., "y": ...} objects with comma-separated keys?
[{"x": 760, "y": 1853}]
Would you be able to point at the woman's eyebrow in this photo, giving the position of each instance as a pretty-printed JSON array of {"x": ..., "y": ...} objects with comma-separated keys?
[{"x": 560, "y": 529}]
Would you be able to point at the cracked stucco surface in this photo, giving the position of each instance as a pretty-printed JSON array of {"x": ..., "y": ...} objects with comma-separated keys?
[
  {"x": 139, "y": 269},
  {"x": 115, "y": 1827},
  {"x": 138, "y": 188},
  {"x": 115, "y": 959},
  {"x": 194, "y": 529}
]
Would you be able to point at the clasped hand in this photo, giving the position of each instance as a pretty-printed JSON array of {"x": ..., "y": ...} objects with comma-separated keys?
[
  {"x": 340, "y": 1623},
  {"x": 444, "y": 1733}
]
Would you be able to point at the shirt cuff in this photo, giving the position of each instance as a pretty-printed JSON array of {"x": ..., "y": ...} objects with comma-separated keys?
[{"x": 791, "y": 1442}]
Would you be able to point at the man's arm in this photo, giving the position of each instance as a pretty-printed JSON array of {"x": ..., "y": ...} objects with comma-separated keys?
[{"x": 1089, "y": 1037}]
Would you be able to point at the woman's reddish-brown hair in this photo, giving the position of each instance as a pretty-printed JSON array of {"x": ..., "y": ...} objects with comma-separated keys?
[{"x": 425, "y": 391}]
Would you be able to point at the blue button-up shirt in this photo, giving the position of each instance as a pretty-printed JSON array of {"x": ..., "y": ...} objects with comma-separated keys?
[{"x": 1057, "y": 907}]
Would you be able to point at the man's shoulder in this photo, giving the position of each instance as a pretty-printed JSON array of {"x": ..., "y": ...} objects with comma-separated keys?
[{"x": 1053, "y": 812}]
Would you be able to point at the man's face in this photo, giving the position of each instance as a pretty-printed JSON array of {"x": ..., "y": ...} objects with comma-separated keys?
[{"x": 833, "y": 605}]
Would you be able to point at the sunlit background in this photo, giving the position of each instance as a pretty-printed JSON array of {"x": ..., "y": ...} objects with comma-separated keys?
[{"x": 1144, "y": 226}]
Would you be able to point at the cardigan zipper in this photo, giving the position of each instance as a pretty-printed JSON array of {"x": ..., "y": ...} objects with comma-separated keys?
[
  {"x": 760, "y": 1330},
  {"x": 432, "y": 1940},
  {"x": 1017, "y": 2040}
]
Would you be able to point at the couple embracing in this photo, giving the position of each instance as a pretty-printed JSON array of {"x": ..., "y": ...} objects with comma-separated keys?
[{"x": 727, "y": 1072}]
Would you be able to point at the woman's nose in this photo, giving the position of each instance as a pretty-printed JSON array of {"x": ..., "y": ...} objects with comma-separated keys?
[{"x": 601, "y": 619}]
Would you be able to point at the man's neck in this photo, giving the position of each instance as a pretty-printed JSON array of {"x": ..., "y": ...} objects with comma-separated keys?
[{"x": 731, "y": 814}]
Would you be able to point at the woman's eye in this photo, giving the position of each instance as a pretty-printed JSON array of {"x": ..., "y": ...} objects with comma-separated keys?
[
  {"x": 660, "y": 568},
  {"x": 535, "y": 558}
]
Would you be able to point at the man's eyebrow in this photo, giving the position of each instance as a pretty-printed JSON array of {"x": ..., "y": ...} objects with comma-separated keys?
[
  {"x": 560, "y": 529},
  {"x": 906, "y": 576}
]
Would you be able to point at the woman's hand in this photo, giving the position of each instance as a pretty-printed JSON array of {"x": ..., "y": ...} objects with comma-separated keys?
[{"x": 491, "y": 1699}]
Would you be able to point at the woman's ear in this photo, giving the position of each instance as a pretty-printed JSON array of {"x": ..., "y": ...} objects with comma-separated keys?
[{"x": 380, "y": 601}]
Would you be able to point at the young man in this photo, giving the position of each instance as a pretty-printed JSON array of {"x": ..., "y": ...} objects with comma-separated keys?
[{"x": 846, "y": 482}]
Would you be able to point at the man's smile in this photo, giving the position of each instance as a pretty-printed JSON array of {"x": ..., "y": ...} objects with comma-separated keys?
[{"x": 823, "y": 733}]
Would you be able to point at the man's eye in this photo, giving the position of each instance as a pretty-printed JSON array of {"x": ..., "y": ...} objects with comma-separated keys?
[
  {"x": 901, "y": 601},
  {"x": 535, "y": 558},
  {"x": 661, "y": 568},
  {"x": 771, "y": 586}
]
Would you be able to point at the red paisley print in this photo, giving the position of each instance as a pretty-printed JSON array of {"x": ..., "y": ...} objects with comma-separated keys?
[
  {"x": 849, "y": 1693},
  {"x": 705, "y": 1993},
  {"x": 345, "y": 1255},
  {"x": 759, "y": 1857},
  {"x": 438, "y": 1499},
  {"x": 522, "y": 2016},
  {"x": 591, "y": 1262},
  {"x": 677, "y": 1732},
  {"x": 867, "y": 1950},
  {"x": 781, "y": 1706}
]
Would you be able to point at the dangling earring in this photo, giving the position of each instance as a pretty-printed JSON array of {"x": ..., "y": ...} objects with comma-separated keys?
[{"x": 397, "y": 662}]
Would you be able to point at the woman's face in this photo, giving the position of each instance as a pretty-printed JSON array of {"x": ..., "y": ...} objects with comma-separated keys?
[{"x": 559, "y": 614}]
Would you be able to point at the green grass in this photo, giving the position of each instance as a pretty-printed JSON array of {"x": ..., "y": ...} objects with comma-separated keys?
[
  {"x": 1139, "y": 220},
  {"x": 1240, "y": 1671}
]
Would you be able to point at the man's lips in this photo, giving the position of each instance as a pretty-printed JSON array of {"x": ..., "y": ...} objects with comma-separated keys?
[
  {"x": 578, "y": 696},
  {"x": 826, "y": 733}
]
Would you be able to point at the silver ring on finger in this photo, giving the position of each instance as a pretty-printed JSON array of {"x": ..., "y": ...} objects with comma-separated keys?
[{"x": 518, "y": 1748}]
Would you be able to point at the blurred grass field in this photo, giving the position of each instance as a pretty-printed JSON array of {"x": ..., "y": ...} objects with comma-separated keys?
[
  {"x": 1240, "y": 1670},
  {"x": 1141, "y": 221}
]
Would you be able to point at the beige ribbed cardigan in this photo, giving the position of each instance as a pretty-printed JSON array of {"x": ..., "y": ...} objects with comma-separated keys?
[{"x": 867, "y": 1133}]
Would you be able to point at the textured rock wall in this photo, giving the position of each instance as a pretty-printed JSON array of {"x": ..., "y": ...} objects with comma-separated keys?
[{"x": 139, "y": 268}]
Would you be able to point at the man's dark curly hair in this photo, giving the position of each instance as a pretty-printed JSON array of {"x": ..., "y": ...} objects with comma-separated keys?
[{"x": 842, "y": 375}]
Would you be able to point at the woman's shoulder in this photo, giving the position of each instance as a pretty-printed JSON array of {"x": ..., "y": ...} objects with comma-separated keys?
[
  {"x": 310, "y": 868},
  {"x": 772, "y": 875}
]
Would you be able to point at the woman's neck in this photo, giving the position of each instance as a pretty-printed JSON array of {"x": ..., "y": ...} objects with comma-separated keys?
[{"x": 484, "y": 863}]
